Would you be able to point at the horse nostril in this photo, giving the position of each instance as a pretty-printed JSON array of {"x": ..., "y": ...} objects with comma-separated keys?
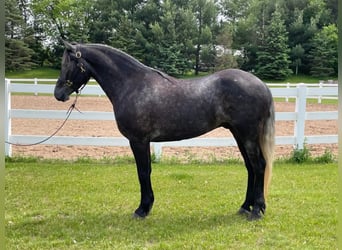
[{"x": 61, "y": 96}]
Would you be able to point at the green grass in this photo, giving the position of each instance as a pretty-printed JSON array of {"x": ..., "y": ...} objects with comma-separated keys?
[
  {"x": 42, "y": 73},
  {"x": 301, "y": 79},
  {"x": 88, "y": 205}
]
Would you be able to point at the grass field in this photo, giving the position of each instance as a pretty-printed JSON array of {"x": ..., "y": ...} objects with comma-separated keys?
[
  {"x": 43, "y": 73},
  {"x": 88, "y": 205}
]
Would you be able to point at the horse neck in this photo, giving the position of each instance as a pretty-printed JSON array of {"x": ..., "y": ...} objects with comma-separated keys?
[{"x": 113, "y": 70}]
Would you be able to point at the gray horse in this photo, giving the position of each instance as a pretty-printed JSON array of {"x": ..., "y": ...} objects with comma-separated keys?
[{"x": 151, "y": 106}]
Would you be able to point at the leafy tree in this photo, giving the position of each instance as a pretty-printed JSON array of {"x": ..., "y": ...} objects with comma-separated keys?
[
  {"x": 272, "y": 58},
  {"x": 66, "y": 19},
  {"x": 53, "y": 20},
  {"x": 316, "y": 13}
]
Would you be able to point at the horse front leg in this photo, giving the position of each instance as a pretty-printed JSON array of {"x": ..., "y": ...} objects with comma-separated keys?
[{"x": 142, "y": 157}]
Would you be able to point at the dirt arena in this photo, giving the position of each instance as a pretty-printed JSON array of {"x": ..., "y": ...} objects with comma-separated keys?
[{"x": 108, "y": 128}]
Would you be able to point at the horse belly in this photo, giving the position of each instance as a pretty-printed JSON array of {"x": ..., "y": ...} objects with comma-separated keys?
[
  {"x": 176, "y": 134},
  {"x": 182, "y": 125},
  {"x": 171, "y": 125}
]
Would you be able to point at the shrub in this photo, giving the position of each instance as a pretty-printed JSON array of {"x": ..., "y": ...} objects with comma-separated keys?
[
  {"x": 327, "y": 157},
  {"x": 300, "y": 155}
]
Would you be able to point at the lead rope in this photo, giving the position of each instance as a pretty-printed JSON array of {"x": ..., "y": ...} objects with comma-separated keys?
[{"x": 69, "y": 111}]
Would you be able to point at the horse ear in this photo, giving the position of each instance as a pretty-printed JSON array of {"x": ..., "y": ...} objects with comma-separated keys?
[{"x": 69, "y": 46}]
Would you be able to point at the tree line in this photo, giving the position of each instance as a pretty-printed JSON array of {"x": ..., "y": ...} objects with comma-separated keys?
[{"x": 271, "y": 38}]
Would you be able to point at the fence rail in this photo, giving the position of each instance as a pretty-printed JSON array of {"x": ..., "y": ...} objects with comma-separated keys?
[{"x": 299, "y": 91}]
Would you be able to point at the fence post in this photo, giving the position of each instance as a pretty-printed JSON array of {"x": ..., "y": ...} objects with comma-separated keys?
[
  {"x": 36, "y": 83},
  {"x": 8, "y": 123},
  {"x": 157, "y": 149},
  {"x": 321, "y": 83},
  {"x": 300, "y": 112}
]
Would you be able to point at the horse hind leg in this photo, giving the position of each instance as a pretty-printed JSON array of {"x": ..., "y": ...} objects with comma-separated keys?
[
  {"x": 245, "y": 208},
  {"x": 254, "y": 204}
]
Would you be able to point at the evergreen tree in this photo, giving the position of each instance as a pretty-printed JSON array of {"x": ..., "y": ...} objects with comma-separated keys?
[
  {"x": 225, "y": 39},
  {"x": 297, "y": 54},
  {"x": 18, "y": 54},
  {"x": 324, "y": 52},
  {"x": 167, "y": 48},
  {"x": 272, "y": 58},
  {"x": 250, "y": 31},
  {"x": 189, "y": 32},
  {"x": 205, "y": 12},
  {"x": 185, "y": 25}
]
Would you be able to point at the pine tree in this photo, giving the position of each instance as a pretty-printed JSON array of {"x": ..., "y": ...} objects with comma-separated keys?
[
  {"x": 324, "y": 52},
  {"x": 18, "y": 54},
  {"x": 273, "y": 55},
  {"x": 297, "y": 53}
]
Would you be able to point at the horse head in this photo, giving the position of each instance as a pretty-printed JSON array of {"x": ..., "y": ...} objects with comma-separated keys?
[{"x": 74, "y": 72}]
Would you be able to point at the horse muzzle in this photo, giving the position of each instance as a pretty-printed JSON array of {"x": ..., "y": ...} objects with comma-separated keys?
[{"x": 62, "y": 92}]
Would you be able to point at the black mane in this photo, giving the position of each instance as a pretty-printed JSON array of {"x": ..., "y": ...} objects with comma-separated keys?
[{"x": 128, "y": 59}]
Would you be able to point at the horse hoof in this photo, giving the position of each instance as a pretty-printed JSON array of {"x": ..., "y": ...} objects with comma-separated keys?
[
  {"x": 138, "y": 216},
  {"x": 243, "y": 211},
  {"x": 254, "y": 216}
]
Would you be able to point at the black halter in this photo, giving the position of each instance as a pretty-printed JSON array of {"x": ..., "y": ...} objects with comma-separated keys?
[{"x": 80, "y": 64}]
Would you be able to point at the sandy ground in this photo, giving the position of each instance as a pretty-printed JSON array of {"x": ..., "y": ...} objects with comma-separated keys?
[{"x": 108, "y": 128}]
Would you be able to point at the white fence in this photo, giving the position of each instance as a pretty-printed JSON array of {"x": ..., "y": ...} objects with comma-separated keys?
[{"x": 299, "y": 91}]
